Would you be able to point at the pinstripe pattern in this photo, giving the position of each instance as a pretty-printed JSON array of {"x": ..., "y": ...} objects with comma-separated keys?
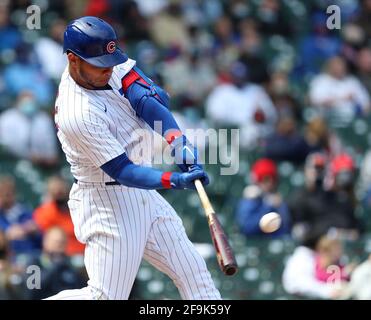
[
  {"x": 169, "y": 250},
  {"x": 119, "y": 225}
]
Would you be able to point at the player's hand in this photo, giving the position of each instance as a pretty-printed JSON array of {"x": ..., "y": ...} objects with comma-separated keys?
[
  {"x": 186, "y": 180},
  {"x": 185, "y": 153},
  {"x": 197, "y": 167}
]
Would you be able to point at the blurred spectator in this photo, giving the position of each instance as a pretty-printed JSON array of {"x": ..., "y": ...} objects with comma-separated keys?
[
  {"x": 365, "y": 180},
  {"x": 305, "y": 204},
  {"x": 168, "y": 29},
  {"x": 313, "y": 207},
  {"x": 337, "y": 93},
  {"x": 134, "y": 24},
  {"x": 9, "y": 35},
  {"x": 57, "y": 272},
  {"x": 354, "y": 39},
  {"x": 299, "y": 275},
  {"x": 9, "y": 288},
  {"x": 202, "y": 40},
  {"x": 49, "y": 51},
  {"x": 238, "y": 9},
  {"x": 16, "y": 221},
  {"x": 25, "y": 75},
  {"x": 35, "y": 139},
  {"x": 363, "y": 20},
  {"x": 147, "y": 60},
  {"x": 252, "y": 51},
  {"x": 190, "y": 76},
  {"x": 97, "y": 8},
  {"x": 271, "y": 19},
  {"x": 282, "y": 95},
  {"x": 63, "y": 8},
  {"x": 359, "y": 287},
  {"x": 243, "y": 104},
  {"x": 342, "y": 173},
  {"x": 363, "y": 62},
  {"x": 17, "y": 5},
  {"x": 67, "y": 9},
  {"x": 261, "y": 198},
  {"x": 54, "y": 212},
  {"x": 286, "y": 143},
  {"x": 321, "y": 139},
  {"x": 225, "y": 45},
  {"x": 342, "y": 183},
  {"x": 4, "y": 267},
  {"x": 317, "y": 47},
  {"x": 151, "y": 8},
  {"x": 329, "y": 266}
]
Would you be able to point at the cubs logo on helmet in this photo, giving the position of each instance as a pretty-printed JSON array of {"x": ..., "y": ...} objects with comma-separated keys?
[{"x": 111, "y": 46}]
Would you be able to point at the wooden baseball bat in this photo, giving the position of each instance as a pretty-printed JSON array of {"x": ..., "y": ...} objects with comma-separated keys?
[{"x": 224, "y": 253}]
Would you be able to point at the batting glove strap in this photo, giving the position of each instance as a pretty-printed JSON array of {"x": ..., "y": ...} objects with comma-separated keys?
[{"x": 165, "y": 180}]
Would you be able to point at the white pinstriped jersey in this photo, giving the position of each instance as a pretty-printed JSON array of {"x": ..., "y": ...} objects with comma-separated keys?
[
  {"x": 95, "y": 126},
  {"x": 120, "y": 225}
]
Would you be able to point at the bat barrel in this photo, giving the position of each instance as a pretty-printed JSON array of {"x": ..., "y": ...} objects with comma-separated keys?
[
  {"x": 230, "y": 269},
  {"x": 224, "y": 253}
]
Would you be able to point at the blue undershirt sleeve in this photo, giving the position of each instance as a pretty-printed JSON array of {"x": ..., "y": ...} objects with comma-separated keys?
[
  {"x": 153, "y": 111},
  {"x": 123, "y": 170}
]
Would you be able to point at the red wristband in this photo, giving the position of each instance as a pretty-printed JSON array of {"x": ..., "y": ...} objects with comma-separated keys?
[
  {"x": 165, "y": 180},
  {"x": 172, "y": 135}
]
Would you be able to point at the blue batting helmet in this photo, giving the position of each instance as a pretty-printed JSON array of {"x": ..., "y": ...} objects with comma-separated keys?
[{"x": 93, "y": 40}]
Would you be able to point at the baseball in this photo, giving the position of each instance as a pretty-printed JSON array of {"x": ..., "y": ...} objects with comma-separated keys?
[{"x": 270, "y": 222}]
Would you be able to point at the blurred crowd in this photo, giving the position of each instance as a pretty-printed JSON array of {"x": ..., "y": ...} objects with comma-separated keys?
[
  {"x": 271, "y": 68},
  {"x": 43, "y": 237}
]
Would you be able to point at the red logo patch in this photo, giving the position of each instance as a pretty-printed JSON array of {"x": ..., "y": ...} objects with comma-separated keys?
[{"x": 111, "y": 46}]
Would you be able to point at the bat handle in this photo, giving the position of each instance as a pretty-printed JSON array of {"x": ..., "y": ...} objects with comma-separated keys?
[{"x": 209, "y": 210}]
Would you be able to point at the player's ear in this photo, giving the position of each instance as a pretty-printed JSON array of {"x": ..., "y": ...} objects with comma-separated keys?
[{"x": 72, "y": 58}]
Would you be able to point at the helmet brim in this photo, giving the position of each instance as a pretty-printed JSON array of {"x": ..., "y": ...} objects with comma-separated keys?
[{"x": 108, "y": 60}]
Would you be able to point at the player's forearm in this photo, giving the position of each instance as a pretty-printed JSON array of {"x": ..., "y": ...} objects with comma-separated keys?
[
  {"x": 129, "y": 174},
  {"x": 154, "y": 111},
  {"x": 140, "y": 177},
  {"x": 143, "y": 177}
]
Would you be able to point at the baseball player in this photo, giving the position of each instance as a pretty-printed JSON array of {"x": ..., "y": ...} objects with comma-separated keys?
[{"x": 103, "y": 100}]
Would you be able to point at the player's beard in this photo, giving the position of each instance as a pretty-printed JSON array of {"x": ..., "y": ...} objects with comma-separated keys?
[{"x": 92, "y": 83}]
